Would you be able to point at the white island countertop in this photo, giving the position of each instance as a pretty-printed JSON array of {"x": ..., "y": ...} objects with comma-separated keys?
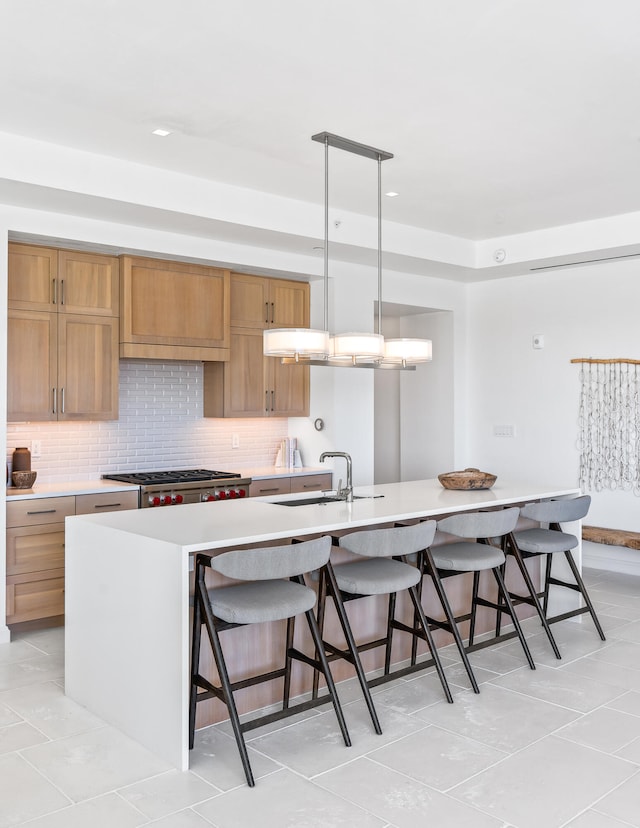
[
  {"x": 127, "y": 631},
  {"x": 199, "y": 526}
]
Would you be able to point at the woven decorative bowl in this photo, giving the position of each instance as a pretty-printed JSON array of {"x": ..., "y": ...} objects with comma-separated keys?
[
  {"x": 23, "y": 479},
  {"x": 467, "y": 479}
]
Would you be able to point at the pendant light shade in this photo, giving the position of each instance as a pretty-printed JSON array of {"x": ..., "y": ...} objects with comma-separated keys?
[
  {"x": 356, "y": 348},
  {"x": 407, "y": 351},
  {"x": 295, "y": 343}
]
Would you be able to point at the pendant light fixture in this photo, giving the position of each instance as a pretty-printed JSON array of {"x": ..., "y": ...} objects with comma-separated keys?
[{"x": 358, "y": 350}]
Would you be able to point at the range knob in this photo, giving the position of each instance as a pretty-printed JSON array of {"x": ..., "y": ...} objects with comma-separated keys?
[
  {"x": 166, "y": 500},
  {"x": 233, "y": 493},
  {"x": 223, "y": 494},
  {"x": 177, "y": 498},
  {"x": 242, "y": 492},
  {"x": 154, "y": 501},
  {"x": 207, "y": 498}
]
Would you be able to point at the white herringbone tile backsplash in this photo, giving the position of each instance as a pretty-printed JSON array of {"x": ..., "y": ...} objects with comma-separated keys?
[{"x": 160, "y": 426}]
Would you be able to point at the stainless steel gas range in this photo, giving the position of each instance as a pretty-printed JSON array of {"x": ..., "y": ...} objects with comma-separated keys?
[{"x": 172, "y": 488}]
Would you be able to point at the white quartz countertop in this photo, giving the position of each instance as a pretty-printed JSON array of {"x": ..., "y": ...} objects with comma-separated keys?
[
  {"x": 199, "y": 526},
  {"x": 77, "y": 487}
]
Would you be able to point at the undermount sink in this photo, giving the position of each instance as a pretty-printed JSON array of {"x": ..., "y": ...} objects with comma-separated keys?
[{"x": 315, "y": 501}]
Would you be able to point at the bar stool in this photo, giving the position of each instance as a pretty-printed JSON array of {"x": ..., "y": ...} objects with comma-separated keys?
[
  {"x": 458, "y": 557},
  {"x": 272, "y": 588},
  {"x": 382, "y": 570},
  {"x": 539, "y": 541}
]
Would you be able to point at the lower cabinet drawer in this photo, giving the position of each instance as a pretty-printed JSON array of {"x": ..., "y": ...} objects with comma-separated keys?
[
  {"x": 270, "y": 486},
  {"x": 311, "y": 483},
  {"x": 32, "y": 549},
  {"x": 29, "y": 600},
  {"x": 94, "y": 504}
]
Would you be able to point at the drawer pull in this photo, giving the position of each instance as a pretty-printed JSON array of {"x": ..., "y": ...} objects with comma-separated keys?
[
  {"x": 106, "y": 505},
  {"x": 311, "y": 486},
  {"x": 44, "y": 512},
  {"x": 272, "y": 489}
]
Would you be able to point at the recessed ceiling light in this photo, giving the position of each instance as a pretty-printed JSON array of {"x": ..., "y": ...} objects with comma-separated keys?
[
  {"x": 392, "y": 194},
  {"x": 161, "y": 132}
]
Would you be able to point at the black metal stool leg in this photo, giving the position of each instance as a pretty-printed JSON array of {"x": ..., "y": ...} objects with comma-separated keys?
[
  {"x": 532, "y": 592},
  {"x": 291, "y": 625},
  {"x": 510, "y": 609},
  {"x": 547, "y": 580},
  {"x": 331, "y": 687},
  {"x": 474, "y": 606},
  {"x": 391, "y": 614},
  {"x": 351, "y": 645},
  {"x": 196, "y": 636},
  {"x": 452, "y": 625},
  {"x": 228, "y": 692},
  {"x": 417, "y": 606},
  {"x": 322, "y": 600},
  {"x": 585, "y": 594}
]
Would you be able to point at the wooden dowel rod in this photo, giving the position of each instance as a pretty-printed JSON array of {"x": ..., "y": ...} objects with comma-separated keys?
[{"x": 609, "y": 361}]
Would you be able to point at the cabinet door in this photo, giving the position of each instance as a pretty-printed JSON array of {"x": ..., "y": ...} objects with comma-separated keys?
[
  {"x": 32, "y": 274},
  {"x": 249, "y": 301},
  {"x": 169, "y": 305},
  {"x": 31, "y": 365},
  {"x": 289, "y": 389},
  {"x": 289, "y": 304},
  {"x": 88, "y": 283},
  {"x": 245, "y": 390},
  {"x": 87, "y": 368}
]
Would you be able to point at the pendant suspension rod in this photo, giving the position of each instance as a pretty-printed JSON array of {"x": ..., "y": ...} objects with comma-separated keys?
[
  {"x": 379, "y": 325},
  {"x": 326, "y": 233}
]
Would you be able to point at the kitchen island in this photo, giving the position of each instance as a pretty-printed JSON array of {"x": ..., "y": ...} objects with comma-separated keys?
[{"x": 127, "y": 628}]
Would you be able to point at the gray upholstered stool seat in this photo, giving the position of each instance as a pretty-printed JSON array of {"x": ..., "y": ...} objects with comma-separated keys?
[
  {"x": 271, "y": 588},
  {"x": 375, "y": 576},
  {"x": 261, "y": 601},
  {"x": 381, "y": 569},
  {"x": 550, "y": 542},
  {"x": 465, "y": 556}
]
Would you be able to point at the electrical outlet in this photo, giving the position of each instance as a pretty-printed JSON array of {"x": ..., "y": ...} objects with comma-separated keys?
[
  {"x": 235, "y": 441},
  {"x": 36, "y": 449},
  {"x": 504, "y": 431}
]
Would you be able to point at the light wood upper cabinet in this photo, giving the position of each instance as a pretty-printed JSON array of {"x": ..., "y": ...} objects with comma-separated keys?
[
  {"x": 62, "y": 343},
  {"x": 173, "y": 310},
  {"x": 62, "y": 281},
  {"x": 32, "y": 365},
  {"x": 32, "y": 277},
  {"x": 250, "y": 384},
  {"x": 89, "y": 283},
  {"x": 61, "y": 367},
  {"x": 87, "y": 368}
]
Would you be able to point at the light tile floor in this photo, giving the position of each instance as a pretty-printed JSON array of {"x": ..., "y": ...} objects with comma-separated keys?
[{"x": 556, "y": 747}]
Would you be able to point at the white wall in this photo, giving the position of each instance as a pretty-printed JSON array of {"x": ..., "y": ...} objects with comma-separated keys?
[{"x": 589, "y": 311}]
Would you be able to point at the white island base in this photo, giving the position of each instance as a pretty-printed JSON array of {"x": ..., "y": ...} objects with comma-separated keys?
[{"x": 127, "y": 632}]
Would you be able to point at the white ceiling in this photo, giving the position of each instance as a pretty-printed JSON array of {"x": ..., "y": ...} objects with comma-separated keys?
[{"x": 503, "y": 116}]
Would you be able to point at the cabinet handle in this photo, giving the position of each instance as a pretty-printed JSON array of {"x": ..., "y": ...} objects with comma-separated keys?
[
  {"x": 55, "y": 291},
  {"x": 266, "y": 313},
  {"x": 44, "y": 512},
  {"x": 311, "y": 486},
  {"x": 272, "y": 312},
  {"x": 62, "y": 400},
  {"x": 55, "y": 399},
  {"x": 106, "y": 505},
  {"x": 272, "y": 489},
  {"x": 266, "y": 401},
  {"x": 272, "y": 403},
  {"x": 62, "y": 291}
]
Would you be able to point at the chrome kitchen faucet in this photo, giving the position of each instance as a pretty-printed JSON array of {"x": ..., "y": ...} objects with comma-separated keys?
[{"x": 345, "y": 493}]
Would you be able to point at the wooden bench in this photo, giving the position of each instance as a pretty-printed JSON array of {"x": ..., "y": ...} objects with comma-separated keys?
[{"x": 612, "y": 537}]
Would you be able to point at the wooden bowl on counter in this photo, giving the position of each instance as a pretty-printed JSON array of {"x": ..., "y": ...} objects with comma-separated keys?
[
  {"x": 467, "y": 479},
  {"x": 23, "y": 479}
]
